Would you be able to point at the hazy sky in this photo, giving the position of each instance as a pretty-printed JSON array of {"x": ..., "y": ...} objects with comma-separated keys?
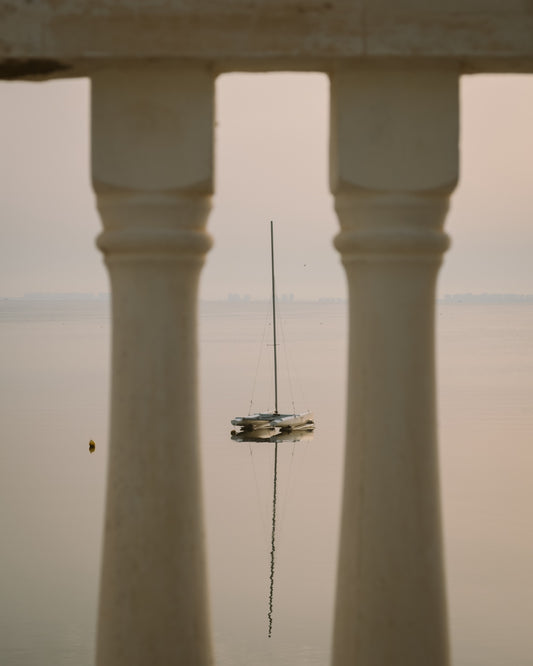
[{"x": 271, "y": 163}]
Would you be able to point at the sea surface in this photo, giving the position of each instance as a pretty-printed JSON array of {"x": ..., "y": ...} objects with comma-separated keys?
[{"x": 54, "y": 360}]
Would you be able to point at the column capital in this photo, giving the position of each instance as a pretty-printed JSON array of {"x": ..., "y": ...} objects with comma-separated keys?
[
  {"x": 152, "y": 128},
  {"x": 152, "y": 160},
  {"x": 153, "y": 224},
  {"x": 387, "y": 224},
  {"x": 394, "y": 160},
  {"x": 394, "y": 130}
]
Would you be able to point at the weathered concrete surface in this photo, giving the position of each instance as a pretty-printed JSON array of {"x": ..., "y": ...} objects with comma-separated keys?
[
  {"x": 394, "y": 164},
  {"x": 53, "y": 38},
  {"x": 152, "y": 170}
]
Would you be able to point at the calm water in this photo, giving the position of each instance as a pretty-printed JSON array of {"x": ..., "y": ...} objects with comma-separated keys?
[{"x": 54, "y": 395}]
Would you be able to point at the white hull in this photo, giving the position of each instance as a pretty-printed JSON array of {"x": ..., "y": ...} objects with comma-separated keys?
[
  {"x": 292, "y": 421},
  {"x": 272, "y": 420},
  {"x": 254, "y": 421}
]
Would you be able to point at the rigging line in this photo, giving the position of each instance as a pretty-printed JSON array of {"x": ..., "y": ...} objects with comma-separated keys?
[
  {"x": 297, "y": 378},
  {"x": 287, "y": 365},
  {"x": 261, "y": 347},
  {"x": 301, "y": 391}
]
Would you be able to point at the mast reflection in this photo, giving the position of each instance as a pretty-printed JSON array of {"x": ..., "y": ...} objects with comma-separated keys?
[
  {"x": 273, "y": 542},
  {"x": 265, "y": 436}
]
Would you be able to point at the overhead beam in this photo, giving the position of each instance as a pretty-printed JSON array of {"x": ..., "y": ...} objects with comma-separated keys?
[{"x": 49, "y": 40}]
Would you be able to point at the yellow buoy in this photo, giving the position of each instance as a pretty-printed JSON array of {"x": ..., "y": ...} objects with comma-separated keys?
[{"x": 92, "y": 446}]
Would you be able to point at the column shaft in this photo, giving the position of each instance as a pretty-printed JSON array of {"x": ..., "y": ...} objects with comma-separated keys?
[
  {"x": 152, "y": 132},
  {"x": 394, "y": 151}
]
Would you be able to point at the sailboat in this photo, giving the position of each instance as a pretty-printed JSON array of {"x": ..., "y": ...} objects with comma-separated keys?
[{"x": 274, "y": 419}]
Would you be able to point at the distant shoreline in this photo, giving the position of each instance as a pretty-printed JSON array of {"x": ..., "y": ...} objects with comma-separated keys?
[
  {"x": 59, "y": 296},
  {"x": 486, "y": 298},
  {"x": 483, "y": 298}
]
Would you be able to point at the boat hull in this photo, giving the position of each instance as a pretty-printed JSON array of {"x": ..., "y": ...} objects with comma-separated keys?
[
  {"x": 273, "y": 420},
  {"x": 293, "y": 421},
  {"x": 253, "y": 421}
]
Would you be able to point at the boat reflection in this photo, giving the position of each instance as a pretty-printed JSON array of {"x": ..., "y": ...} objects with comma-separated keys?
[
  {"x": 271, "y": 436},
  {"x": 267, "y": 435}
]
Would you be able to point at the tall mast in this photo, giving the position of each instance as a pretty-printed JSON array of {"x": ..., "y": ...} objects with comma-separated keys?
[{"x": 274, "y": 320}]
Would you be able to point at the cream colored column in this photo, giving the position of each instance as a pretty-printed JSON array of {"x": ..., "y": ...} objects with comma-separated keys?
[
  {"x": 394, "y": 156},
  {"x": 152, "y": 135}
]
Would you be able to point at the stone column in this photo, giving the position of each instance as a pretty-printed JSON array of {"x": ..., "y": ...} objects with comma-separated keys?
[
  {"x": 394, "y": 163},
  {"x": 152, "y": 136}
]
